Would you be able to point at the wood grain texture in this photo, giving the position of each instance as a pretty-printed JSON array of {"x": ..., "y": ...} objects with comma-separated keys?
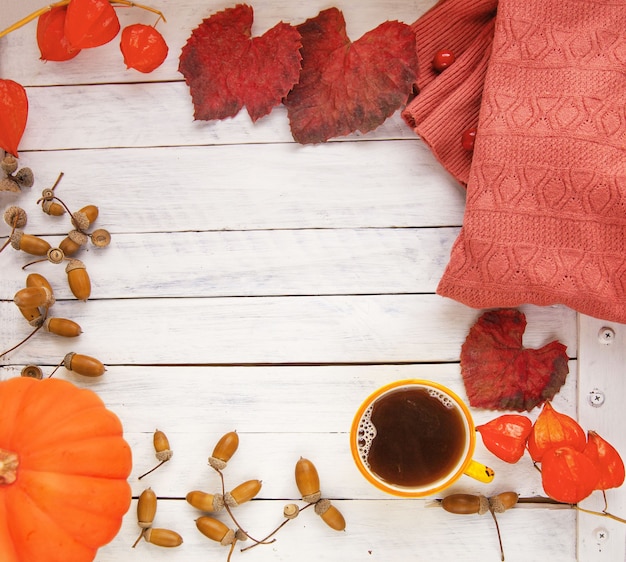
[{"x": 257, "y": 285}]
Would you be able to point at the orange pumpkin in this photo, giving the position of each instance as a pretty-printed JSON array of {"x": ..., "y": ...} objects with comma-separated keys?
[{"x": 64, "y": 466}]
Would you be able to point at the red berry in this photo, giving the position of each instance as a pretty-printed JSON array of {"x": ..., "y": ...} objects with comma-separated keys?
[
  {"x": 443, "y": 59},
  {"x": 143, "y": 47},
  {"x": 468, "y": 138},
  {"x": 51, "y": 39}
]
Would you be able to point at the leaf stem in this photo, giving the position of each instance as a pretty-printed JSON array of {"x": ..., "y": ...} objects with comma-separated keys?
[
  {"x": 275, "y": 530},
  {"x": 599, "y": 513},
  {"x": 495, "y": 519},
  {"x": 33, "y": 16},
  {"x": 152, "y": 469},
  {"x": 230, "y": 513}
]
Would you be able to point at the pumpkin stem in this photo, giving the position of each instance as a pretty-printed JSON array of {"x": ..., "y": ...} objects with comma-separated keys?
[{"x": 8, "y": 467}]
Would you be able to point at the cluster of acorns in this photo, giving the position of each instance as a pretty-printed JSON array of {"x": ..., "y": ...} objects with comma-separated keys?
[
  {"x": 34, "y": 302},
  {"x": 37, "y": 297},
  {"x": 307, "y": 481},
  {"x": 77, "y": 237}
]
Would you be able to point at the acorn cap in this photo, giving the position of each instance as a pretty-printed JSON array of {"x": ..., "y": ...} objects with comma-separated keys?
[
  {"x": 77, "y": 237},
  {"x": 74, "y": 264},
  {"x": 8, "y": 184},
  {"x": 15, "y": 216},
  {"x": 100, "y": 238},
  {"x": 25, "y": 177},
  {"x": 16, "y": 238},
  {"x": 9, "y": 164}
]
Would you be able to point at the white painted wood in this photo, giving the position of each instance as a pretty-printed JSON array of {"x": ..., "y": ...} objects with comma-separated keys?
[
  {"x": 602, "y": 388},
  {"x": 259, "y": 285},
  {"x": 378, "y": 530},
  {"x": 333, "y": 329},
  {"x": 281, "y": 186},
  {"x": 257, "y": 263}
]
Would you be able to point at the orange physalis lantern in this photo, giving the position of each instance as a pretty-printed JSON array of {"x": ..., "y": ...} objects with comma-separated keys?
[
  {"x": 607, "y": 460},
  {"x": 143, "y": 47},
  {"x": 13, "y": 115},
  {"x": 90, "y": 23},
  {"x": 553, "y": 429},
  {"x": 568, "y": 475},
  {"x": 53, "y": 44},
  {"x": 506, "y": 435}
]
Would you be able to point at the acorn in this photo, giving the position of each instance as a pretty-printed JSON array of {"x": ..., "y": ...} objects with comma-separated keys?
[
  {"x": 28, "y": 243},
  {"x": 50, "y": 206},
  {"x": 464, "y": 504},
  {"x": 84, "y": 217},
  {"x": 31, "y": 297},
  {"x": 15, "y": 216},
  {"x": 162, "y": 450},
  {"x": 503, "y": 501},
  {"x": 330, "y": 515},
  {"x": 210, "y": 503},
  {"x": 83, "y": 365},
  {"x": 146, "y": 508},
  {"x": 215, "y": 530},
  {"x": 38, "y": 280},
  {"x": 163, "y": 537},
  {"x": 224, "y": 450},
  {"x": 32, "y": 314},
  {"x": 161, "y": 446},
  {"x": 308, "y": 481},
  {"x": 62, "y": 327},
  {"x": 78, "y": 279},
  {"x": 242, "y": 493},
  {"x": 68, "y": 246},
  {"x": 73, "y": 242}
]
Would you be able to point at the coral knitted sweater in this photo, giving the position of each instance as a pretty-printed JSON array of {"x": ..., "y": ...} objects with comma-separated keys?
[{"x": 545, "y": 82}]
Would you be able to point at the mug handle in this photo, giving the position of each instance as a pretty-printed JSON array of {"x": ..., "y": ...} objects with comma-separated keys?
[{"x": 479, "y": 472}]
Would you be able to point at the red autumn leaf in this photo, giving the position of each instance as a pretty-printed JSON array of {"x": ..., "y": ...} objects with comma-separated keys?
[
  {"x": 143, "y": 47},
  {"x": 553, "y": 429},
  {"x": 505, "y": 436},
  {"x": 90, "y": 23},
  {"x": 500, "y": 374},
  {"x": 13, "y": 115},
  {"x": 344, "y": 86},
  {"x": 607, "y": 461},
  {"x": 53, "y": 44},
  {"x": 567, "y": 475},
  {"x": 226, "y": 69}
]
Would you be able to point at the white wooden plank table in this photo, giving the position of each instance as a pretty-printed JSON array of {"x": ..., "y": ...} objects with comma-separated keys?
[{"x": 257, "y": 285}]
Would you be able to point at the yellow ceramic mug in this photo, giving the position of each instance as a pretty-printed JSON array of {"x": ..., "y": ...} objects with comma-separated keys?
[{"x": 413, "y": 438}]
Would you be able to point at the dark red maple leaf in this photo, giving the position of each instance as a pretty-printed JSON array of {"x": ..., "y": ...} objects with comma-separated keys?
[
  {"x": 344, "y": 86},
  {"x": 500, "y": 374},
  {"x": 226, "y": 69}
]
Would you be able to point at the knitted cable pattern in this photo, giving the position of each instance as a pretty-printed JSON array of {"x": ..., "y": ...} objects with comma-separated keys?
[{"x": 545, "y": 218}]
